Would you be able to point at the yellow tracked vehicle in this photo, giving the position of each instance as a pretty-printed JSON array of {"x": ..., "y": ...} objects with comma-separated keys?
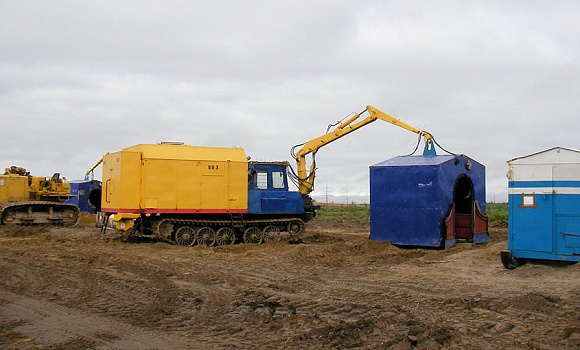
[
  {"x": 28, "y": 200},
  {"x": 190, "y": 195}
]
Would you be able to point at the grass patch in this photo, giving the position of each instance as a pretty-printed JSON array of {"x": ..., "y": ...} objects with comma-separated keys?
[
  {"x": 497, "y": 211},
  {"x": 360, "y": 213},
  {"x": 350, "y": 212}
]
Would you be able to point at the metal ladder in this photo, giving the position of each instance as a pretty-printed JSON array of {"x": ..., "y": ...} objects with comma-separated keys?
[{"x": 237, "y": 222}]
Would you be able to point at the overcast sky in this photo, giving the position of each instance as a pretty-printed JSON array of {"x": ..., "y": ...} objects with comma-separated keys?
[{"x": 490, "y": 79}]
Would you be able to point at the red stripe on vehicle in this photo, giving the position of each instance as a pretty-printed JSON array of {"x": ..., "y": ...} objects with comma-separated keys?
[{"x": 175, "y": 211}]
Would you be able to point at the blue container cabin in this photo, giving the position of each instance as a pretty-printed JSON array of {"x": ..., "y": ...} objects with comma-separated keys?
[
  {"x": 82, "y": 190},
  {"x": 544, "y": 207},
  {"x": 428, "y": 201}
]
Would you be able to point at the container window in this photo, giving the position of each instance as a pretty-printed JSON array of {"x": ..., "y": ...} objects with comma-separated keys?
[
  {"x": 277, "y": 179},
  {"x": 528, "y": 201},
  {"x": 262, "y": 180}
]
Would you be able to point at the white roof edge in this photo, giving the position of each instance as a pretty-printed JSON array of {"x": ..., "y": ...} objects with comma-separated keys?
[{"x": 544, "y": 151}]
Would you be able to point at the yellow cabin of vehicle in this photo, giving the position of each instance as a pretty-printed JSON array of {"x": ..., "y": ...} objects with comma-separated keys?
[
  {"x": 42, "y": 188},
  {"x": 13, "y": 188},
  {"x": 175, "y": 178}
]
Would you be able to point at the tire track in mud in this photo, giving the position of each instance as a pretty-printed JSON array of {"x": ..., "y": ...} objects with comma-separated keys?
[
  {"x": 411, "y": 307},
  {"x": 306, "y": 317},
  {"x": 428, "y": 304},
  {"x": 151, "y": 296},
  {"x": 345, "y": 292},
  {"x": 60, "y": 327},
  {"x": 484, "y": 315},
  {"x": 334, "y": 322}
]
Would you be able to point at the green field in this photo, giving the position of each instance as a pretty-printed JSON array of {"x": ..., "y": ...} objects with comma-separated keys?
[
  {"x": 497, "y": 211},
  {"x": 360, "y": 213},
  {"x": 340, "y": 212}
]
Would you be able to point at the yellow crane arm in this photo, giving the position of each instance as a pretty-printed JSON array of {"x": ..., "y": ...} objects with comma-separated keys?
[
  {"x": 378, "y": 114},
  {"x": 306, "y": 179},
  {"x": 94, "y": 167}
]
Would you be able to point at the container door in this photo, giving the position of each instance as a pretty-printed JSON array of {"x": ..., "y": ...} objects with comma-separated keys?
[
  {"x": 532, "y": 212},
  {"x": 212, "y": 190},
  {"x": 531, "y": 223},
  {"x": 566, "y": 197},
  {"x": 111, "y": 175}
]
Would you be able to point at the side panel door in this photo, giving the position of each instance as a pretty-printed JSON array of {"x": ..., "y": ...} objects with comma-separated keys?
[
  {"x": 273, "y": 202},
  {"x": 567, "y": 235}
]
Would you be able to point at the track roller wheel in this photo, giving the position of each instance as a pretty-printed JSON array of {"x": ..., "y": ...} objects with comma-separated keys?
[
  {"x": 185, "y": 235},
  {"x": 206, "y": 236},
  {"x": 271, "y": 234},
  {"x": 295, "y": 227},
  {"x": 253, "y": 235},
  {"x": 70, "y": 217},
  {"x": 8, "y": 216},
  {"x": 165, "y": 229},
  {"x": 225, "y": 236}
]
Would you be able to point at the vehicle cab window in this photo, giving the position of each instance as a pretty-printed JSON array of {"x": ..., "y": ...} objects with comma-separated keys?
[
  {"x": 278, "y": 179},
  {"x": 262, "y": 180}
]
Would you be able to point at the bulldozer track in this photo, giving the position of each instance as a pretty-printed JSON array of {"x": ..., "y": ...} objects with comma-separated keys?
[{"x": 35, "y": 217}]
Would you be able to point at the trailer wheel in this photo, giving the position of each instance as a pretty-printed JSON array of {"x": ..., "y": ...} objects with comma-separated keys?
[
  {"x": 206, "y": 236},
  {"x": 185, "y": 236},
  {"x": 253, "y": 235},
  {"x": 271, "y": 234},
  {"x": 509, "y": 261},
  {"x": 225, "y": 236}
]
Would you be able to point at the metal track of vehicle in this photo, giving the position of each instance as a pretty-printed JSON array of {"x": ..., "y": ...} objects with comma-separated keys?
[
  {"x": 165, "y": 228},
  {"x": 39, "y": 212}
]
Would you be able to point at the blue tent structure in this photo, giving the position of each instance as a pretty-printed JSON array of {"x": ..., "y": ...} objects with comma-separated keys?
[
  {"x": 428, "y": 201},
  {"x": 81, "y": 190}
]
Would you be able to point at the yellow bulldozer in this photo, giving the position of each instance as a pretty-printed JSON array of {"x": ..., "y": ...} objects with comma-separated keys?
[{"x": 28, "y": 200}]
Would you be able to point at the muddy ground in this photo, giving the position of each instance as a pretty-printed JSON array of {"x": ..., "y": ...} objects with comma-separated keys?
[{"x": 72, "y": 288}]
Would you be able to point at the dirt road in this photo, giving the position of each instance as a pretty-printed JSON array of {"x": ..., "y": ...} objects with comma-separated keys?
[{"x": 73, "y": 288}]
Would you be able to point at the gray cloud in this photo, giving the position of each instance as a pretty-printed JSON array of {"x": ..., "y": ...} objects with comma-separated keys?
[{"x": 492, "y": 80}]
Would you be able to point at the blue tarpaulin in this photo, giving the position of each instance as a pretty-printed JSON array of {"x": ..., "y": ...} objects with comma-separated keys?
[
  {"x": 412, "y": 196},
  {"x": 81, "y": 190}
]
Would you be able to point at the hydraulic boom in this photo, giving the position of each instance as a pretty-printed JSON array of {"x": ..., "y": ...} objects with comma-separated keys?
[{"x": 306, "y": 179}]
